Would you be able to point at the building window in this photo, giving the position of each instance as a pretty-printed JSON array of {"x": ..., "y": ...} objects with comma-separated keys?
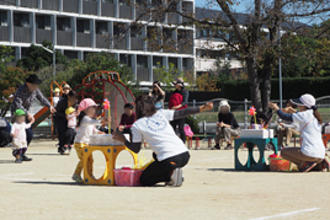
[
  {"x": 43, "y": 22},
  {"x": 83, "y": 26},
  {"x": 21, "y": 20},
  {"x": 3, "y": 19},
  {"x": 63, "y": 24}
]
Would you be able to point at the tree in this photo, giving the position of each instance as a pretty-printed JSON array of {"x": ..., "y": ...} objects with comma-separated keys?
[
  {"x": 10, "y": 78},
  {"x": 256, "y": 43},
  {"x": 307, "y": 53},
  {"x": 37, "y": 58}
]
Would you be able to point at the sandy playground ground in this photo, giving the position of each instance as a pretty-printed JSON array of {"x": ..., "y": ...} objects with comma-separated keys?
[{"x": 43, "y": 189}]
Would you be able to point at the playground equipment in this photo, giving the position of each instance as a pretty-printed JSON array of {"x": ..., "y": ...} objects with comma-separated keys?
[
  {"x": 102, "y": 85},
  {"x": 44, "y": 113},
  {"x": 110, "y": 153},
  {"x": 260, "y": 143}
]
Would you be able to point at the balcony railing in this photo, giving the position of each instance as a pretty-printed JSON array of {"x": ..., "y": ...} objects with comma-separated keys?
[
  {"x": 125, "y": 11},
  {"x": 70, "y": 6},
  {"x": 154, "y": 45},
  {"x": 108, "y": 9},
  {"x": 50, "y": 4},
  {"x": 29, "y": 3},
  {"x": 185, "y": 46},
  {"x": 4, "y": 34},
  {"x": 64, "y": 38},
  {"x": 83, "y": 40},
  {"x": 43, "y": 35},
  {"x": 8, "y": 2},
  {"x": 119, "y": 43},
  {"x": 169, "y": 46},
  {"x": 137, "y": 43},
  {"x": 142, "y": 73},
  {"x": 90, "y": 7},
  {"x": 103, "y": 41},
  {"x": 22, "y": 34}
]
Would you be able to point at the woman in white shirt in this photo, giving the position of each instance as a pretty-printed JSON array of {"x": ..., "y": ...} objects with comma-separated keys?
[
  {"x": 309, "y": 122},
  {"x": 170, "y": 153}
]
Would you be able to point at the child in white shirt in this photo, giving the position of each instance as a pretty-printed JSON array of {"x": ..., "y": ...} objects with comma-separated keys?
[
  {"x": 18, "y": 132},
  {"x": 86, "y": 127}
]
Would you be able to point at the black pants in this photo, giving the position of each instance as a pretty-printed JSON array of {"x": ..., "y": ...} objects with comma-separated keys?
[
  {"x": 69, "y": 135},
  {"x": 180, "y": 124},
  {"x": 29, "y": 135},
  {"x": 161, "y": 171}
]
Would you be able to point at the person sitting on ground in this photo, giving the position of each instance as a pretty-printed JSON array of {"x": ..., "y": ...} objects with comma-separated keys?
[
  {"x": 309, "y": 121},
  {"x": 170, "y": 152},
  {"x": 158, "y": 95},
  {"x": 227, "y": 126},
  {"x": 285, "y": 128},
  {"x": 23, "y": 99},
  {"x": 127, "y": 119},
  {"x": 18, "y": 134}
]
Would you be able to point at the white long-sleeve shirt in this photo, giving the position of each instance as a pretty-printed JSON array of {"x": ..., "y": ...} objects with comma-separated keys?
[{"x": 86, "y": 128}]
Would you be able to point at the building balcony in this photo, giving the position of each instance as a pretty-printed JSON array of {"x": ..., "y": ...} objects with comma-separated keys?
[
  {"x": 22, "y": 34},
  {"x": 141, "y": 13},
  {"x": 4, "y": 34},
  {"x": 137, "y": 43},
  {"x": 90, "y": 7},
  {"x": 43, "y": 35},
  {"x": 119, "y": 43},
  {"x": 103, "y": 41},
  {"x": 64, "y": 38},
  {"x": 29, "y": 3},
  {"x": 185, "y": 47},
  {"x": 172, "y": 18},
  {"x": 108, "y": 9},
  {"x": 125, "y": 11},
  {"x": 169, "y": 46},
  {"x": 142, "y": 73},
  {"x": 8, "y": 2},
  {"x": 84, "y": 40},
  {"x": 50, "y": 5},
  {"x": 154, "y": 45},
  {"x": 70, "y": 6}
]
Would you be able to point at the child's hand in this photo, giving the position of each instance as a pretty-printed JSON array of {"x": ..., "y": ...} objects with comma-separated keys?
[
  {"x": 121, "y": 127},
  {"x": 207, "y": 107}
]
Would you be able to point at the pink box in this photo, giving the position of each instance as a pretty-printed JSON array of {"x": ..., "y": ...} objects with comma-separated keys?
[{"x": 127, "y": 177}]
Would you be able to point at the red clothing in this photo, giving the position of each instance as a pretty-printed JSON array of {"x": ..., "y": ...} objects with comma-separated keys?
[
  {"x": 176, "y": 99},
  {"x": 127, "y": 121}
]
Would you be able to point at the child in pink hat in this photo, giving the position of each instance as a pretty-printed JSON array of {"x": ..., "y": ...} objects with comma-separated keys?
[{"x": 86, "y": 127}]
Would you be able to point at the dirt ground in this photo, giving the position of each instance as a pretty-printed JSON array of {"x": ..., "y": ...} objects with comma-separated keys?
[{"x": 43, "y": 189}]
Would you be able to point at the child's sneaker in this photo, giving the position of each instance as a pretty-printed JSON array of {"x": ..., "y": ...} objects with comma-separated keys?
[
  {"x": 77, "y": 178},
  {"x": 176, "y": 178},
  {"x": 18, "y": 159}
]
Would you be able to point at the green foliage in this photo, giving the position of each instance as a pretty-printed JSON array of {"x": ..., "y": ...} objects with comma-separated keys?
[
  {"x": 165, "y": 75},
  {"x": 37, "y": 58},
  {"x": 292, "y": 87}
]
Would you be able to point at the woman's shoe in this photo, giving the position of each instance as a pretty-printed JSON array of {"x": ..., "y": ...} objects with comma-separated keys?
[{"x": 307, "y": 166}]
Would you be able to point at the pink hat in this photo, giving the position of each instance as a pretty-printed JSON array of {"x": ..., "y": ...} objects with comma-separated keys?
[{"x": 86, "y": 103}]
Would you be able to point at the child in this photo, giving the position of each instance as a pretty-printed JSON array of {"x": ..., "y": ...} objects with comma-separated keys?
[
  {"x": 85, "y": 128},
  {"x": 18, "y": 132},
  {"x": 127, "y": 119},
  {"x": 154, "y": 127},
  {"x": 56, "y": 97},
  {"x": 71, "y": 116},
  {"x": 309, "y": 122}
]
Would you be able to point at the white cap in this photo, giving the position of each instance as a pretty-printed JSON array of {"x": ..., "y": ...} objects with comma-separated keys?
[
  {"x": 224, "y": 103},
  {"x": 306, "y": 100}
]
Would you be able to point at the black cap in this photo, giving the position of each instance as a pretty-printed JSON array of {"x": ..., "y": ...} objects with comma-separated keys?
[
  {"x": 33, "y": 79},
  {"x": 179, "y": 82}
]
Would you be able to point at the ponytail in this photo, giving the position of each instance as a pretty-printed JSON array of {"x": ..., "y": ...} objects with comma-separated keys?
[
  {"x": 317, "y": 114},
  {"x": 80, "y": 118}
]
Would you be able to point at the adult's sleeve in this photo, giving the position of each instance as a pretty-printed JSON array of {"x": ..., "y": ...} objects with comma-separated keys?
[
  {"x": 18, "y": 104},
  {"x": 234, "y": 122},
  {"x": 178, "y": 114},
  {"x": 285, "y": 116},
  {"x": 169, "y": 114},
  {"x": 42, "y": 98},
  {"x": 136, "y": 140}
]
